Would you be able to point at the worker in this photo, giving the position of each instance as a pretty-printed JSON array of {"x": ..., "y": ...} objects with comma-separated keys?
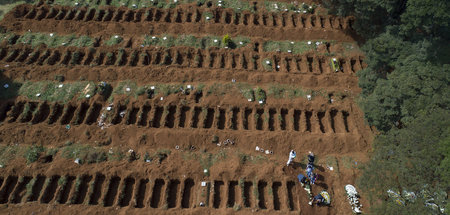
[
  {"x": 323, "y": 198},
  {"x": 311, "y": 158},
  {"x": 303, "y": 180},
  {"x": 292, "y": 155}
]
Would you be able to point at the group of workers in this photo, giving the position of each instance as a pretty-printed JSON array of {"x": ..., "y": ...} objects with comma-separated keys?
[{"x": 323, "y": 198}]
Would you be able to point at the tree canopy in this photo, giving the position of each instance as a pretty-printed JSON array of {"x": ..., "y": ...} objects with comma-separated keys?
[{"x": 406, "y": 96}]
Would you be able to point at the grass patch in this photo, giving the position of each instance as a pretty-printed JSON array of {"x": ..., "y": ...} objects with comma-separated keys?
[
  {"x": 267, "y": 64},
  {"x": 51, "y": 91},
  {"x": 52, "y": 40},
  {"x": 7, "y": 5},
  {"x": 33, "y": 153},
  {"x": 295, "y": 47},
  {"x": 8, "y": 153},
  {"x": 197, "y": 42},
  {"x": 114, "y": 40}
]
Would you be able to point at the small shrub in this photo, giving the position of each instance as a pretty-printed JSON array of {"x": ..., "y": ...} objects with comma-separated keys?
[
  {"x": 226, "y": 40},
  {"x": 260, "y": 94},
  {"x": 215, "y": 139},
  {"x": 33, "y": 152}
]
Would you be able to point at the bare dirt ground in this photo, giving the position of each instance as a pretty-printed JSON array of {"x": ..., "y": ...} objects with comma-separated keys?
[{"x": 239, "y": 179}]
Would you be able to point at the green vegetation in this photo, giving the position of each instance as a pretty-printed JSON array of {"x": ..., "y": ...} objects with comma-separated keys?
[
  {"x": 197, "y": 42},
  {"x": 33, "y": 153},
  {"x": 236, "y": 5},
  {"x": 54, "y": 91},
  {"x": 295, "y": 47},
  {"x": 7, "y": 5},
  {"x": 114, "y": 40},
  {"x": 405, "y": 95},
  {"x": 267, "y": 64},
  {"x": 51, "y": 40}
]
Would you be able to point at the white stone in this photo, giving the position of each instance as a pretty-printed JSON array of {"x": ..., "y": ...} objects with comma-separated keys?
[
  {"x": 220, "y": 5},
  {"x": 203, "y": 183},
  {"x": 108, "y": 108},
  {"x": 6, "y": 86},
  {"x": 153, "y": 37},
  {"x": 161, "y": 98},
  {"x": 308, "y": 97},
  {"x": 134, "y": 5},
  {"x": 278, "y": 66},
  {"x": 37, "y": 95},
  {"x": 205, "y": 170},
  {"x": 304, "y": 11},
  {"x": 309, "y": 42},
  {"x": 128, "y": 89},
  {"x": 267, "y": 152},
  {"x": 289, "y": 51},
  {"x": 285, "y": 9},
  {"x": 207, "y": 18},
  {"x": 292, "y": 42},
  {"x": 164, "y": 38},
  {"x": 61, "y": 85},
  {"x": 267, "y": 62},
  {"x": 189, "y": 86},
  {"x": 249, "y": 100},
  {"x": 76, "y": 3},
  {"x": 257, "y": 148},
  {"x": 51, "y": 34},
  {"x": 88, "y": 96},
  {"x": 116, "y": 36},
  {"x": 261, "y": 101},
  {"x": 216, "y": 41},
  {"x": 152, "y": 87},
  {"x": 77, "y": 161},
  {"x": 334, "y": 59},
  {"x": 241, "y": 43}
]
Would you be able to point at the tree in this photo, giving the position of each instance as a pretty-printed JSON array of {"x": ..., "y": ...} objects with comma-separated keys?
[{"x": 405, "y": 160}]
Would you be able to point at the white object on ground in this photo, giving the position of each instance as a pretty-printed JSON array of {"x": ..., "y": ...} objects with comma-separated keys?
[
  {"x": 88, "y": 96},
  {"x": 61, "y": 85},
  {"x": 116, "y": 36},
  {"x": 317, "y": 43},
  {"x": 152, "y": 87},
  {"x": 6, "y": 86},
  {"x": 309, "y": 42},
  {"x": 215, "y": 41},
  {"x": 261, "y": 101},
  {"x": 257, "y": 148},
  {"x": 308, "y": 97},
  {"x": 292, "y": 42},
  {"x": 205, "y": 170},
  {"x": 164, "y": 38},
  {"x": 278, "y": 66},
  {"x": 153, "y": 37},
  {"x": 267, "y": 62},
  {"x": 207, "y": 18},
  {"x": 161, "y": 98},
  {"x": 188, "y": 86},
  {"x": 267, "y": 152},
  {"x": 51, "y": 34},
  {"x": 289, "y": 51},
  {"x": 241, "y": 43},
  {"x": 77, "y": 161},
  {"x": 108, "y": 108},
  {"x": 37, "y": 95},
  {"x": 249, "y": 100},
  {"x": 128, "y": 89}
]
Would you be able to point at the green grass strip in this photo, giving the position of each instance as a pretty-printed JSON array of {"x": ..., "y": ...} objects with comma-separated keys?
[
  {"x": 51, "y": 40},
  {"x": 192, "y": 41}
]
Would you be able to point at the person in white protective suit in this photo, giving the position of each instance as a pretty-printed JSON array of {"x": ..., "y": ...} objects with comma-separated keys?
[{"x": 292, "y": 155}]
